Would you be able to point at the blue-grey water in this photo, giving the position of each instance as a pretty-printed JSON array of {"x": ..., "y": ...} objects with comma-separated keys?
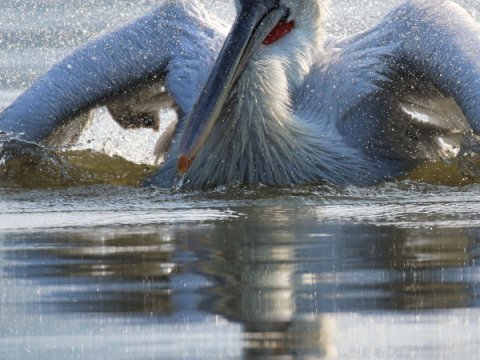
[{"x": 307, "y": 272}]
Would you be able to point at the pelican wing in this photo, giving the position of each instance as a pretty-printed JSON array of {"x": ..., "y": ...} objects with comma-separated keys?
[
  {"x": 407, "y": 88},
  {"x": 441, "y": 43},
  {"x": 160, "y": 59}
]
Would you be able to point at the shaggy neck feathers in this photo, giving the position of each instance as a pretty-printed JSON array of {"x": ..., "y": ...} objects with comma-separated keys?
[{"x": 256, "y": 139}]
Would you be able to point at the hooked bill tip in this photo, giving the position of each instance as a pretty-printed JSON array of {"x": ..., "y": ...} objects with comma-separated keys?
[{"x": 183, "y": 164}]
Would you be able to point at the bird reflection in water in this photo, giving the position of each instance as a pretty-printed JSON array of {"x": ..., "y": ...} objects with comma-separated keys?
[
  {"x": 283, "y": 280},
  {"x": 125, "y": 272}
]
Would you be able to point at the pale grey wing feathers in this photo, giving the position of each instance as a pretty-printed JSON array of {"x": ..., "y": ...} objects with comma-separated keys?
[
  {"x": 69, "y": 132},
  {"x": 141, "y": 106},
  {"x": 436, "y": 113},
  {"x": 430, "y": 126},
  {"x": 428, "y": 114},
  {"x": 407, "y": 88},
  {"x": 138, "y": 107},
  {"x": 163, "y": 43},
  {"x": 441, "y": 41},
  {"x": 438, "y": 55},
  {"x": 164, "y": 141}
]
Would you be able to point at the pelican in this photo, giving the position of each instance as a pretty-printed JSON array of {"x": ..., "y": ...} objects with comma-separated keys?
[{"x": 275, "y": 99}]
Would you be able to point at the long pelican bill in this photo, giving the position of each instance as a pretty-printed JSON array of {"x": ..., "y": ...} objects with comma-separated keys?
[{"x": 255, "y": 21}]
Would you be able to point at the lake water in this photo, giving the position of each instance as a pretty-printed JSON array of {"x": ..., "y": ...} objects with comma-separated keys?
[{"x": 123, "y": 272}]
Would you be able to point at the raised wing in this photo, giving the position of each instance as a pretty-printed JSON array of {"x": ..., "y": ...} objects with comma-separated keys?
[
  {"x": 442, "y": 43},
  {"x": 161, "y": 58},
  {"x": 408, "y": 88}
]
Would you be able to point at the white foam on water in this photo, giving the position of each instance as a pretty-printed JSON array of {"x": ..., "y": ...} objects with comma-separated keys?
[{"x": 34, "y": 221}]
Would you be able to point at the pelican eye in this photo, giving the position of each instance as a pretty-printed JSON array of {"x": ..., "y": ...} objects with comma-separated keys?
[{"x": 285, "y": 18}]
